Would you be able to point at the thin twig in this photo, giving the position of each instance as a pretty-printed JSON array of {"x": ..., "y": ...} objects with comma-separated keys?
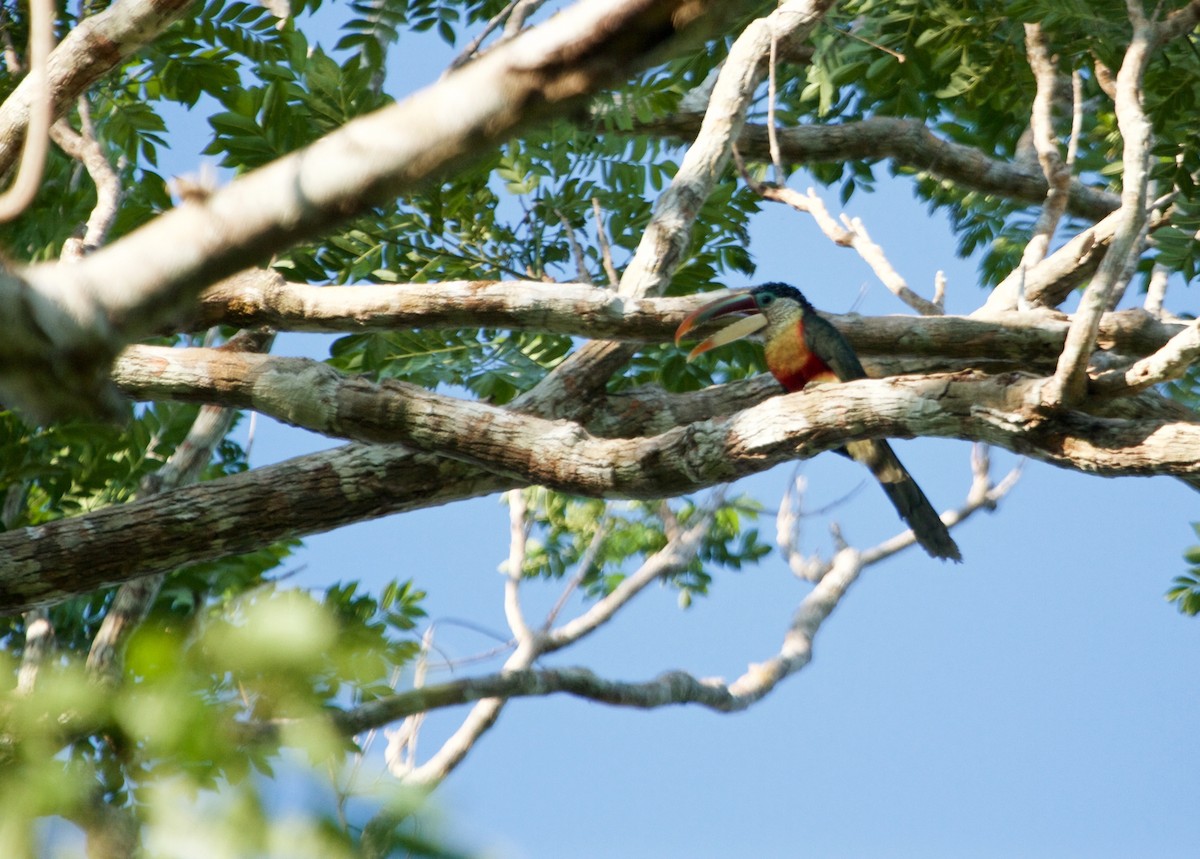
[
  {"x": 483, "y": 715},
  {"x": 518, "y": 534},
  {"x": 610, "y": 270},
  {"x": 983, "y": 494},
  {"x": 851, "y": 233},
  {"x": 674, "y": 556},
  {"x": 772, "y": 133},
  {"x": 520, "y": 14},
  {"x": 401, "y": 753},
  {"x": 586, "y": 562},
  {"x": 469, "y": 51},
  {"x": 581, "y": 268}
]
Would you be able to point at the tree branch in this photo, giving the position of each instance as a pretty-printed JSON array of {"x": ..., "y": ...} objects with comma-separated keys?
[
  {"x": 264, "y": 298},
  {"x": 220, "y": 518},
  {"x": 84, "y": 148},
  {"x": 57, "y": 318},
  {"x": 322, "y": 491},
  {"x": 908, "y": 144},
  {"x": 1056, "y": 171},
  {"x": 850, "y": 233},
  {"x": 1168, "y": 363},
  {"x": 1070, "y": 378}
]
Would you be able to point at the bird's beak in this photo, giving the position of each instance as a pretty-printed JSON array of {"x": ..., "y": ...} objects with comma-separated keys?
[{"x": 742, "y": 302}]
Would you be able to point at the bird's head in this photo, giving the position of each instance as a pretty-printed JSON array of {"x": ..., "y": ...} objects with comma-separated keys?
[{"x": 771, "y": 306}]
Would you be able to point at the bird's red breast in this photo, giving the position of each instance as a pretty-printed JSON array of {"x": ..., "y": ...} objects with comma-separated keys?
[{"x": 791, "y": 361}]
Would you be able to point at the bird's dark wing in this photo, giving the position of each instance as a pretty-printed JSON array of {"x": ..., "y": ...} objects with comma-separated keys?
[{"x": 828, "y": 344}]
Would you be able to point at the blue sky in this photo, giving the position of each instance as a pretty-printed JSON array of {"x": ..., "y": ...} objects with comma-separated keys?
[{"x": 1035, "y": 701}]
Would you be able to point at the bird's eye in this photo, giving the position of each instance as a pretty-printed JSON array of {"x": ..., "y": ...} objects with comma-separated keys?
[{"x": 765, "y": 299}]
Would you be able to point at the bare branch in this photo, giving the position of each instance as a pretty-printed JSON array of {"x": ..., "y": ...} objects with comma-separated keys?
[
  {"x": 907, "y": 143},
  {"x": 787, "y": 533},
  {"x": 983, "y": 495},
  {"x": 772, "y": 138},
  {"x": 317, "y": 397},
  {"x": 586, "y": 562},
  {"x": 478, "y": 722},
  {"x": 83, "y": 147},
  {"x": 666, "y": 238},
  {"x": 1070, "y": 379},
  {"x": 576, "y": 309},
  {"x": 1168, "y": 363},
  {"x": 401, "y": 753},
  {"x": 468, "y": 53},
  {"x": 678, "y": 553},
  {"x": 520, "y": 14},
  {"x": 1058, "y": 174},
  {"x": 851, "y": 233}
]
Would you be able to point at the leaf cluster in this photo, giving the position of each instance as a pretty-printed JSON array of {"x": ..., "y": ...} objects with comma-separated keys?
[{"x": 600, "y": 543}]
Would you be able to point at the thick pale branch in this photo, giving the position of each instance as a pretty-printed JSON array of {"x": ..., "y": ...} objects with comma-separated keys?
[
  {"x": 1000, "y": 409},
  {"x": 1050, "y": 282},
  {"x": 24, "y": 187},
  {"x": 322, "y": 491},
  {"x": 263, "y": 298}
]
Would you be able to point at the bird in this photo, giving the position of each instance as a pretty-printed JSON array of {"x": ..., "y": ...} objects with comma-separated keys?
[{"x": 802, "y": 347}]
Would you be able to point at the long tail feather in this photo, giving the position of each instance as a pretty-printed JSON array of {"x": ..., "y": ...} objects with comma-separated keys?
[{"x": 910, "y": 502}]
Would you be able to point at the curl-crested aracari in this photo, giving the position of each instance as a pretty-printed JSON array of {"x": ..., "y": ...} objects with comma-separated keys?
[{"x": 801, "y": 347}]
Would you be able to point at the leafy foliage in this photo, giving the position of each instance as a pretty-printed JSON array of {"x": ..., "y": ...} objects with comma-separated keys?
[{"x": 1185, "y": 590}]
